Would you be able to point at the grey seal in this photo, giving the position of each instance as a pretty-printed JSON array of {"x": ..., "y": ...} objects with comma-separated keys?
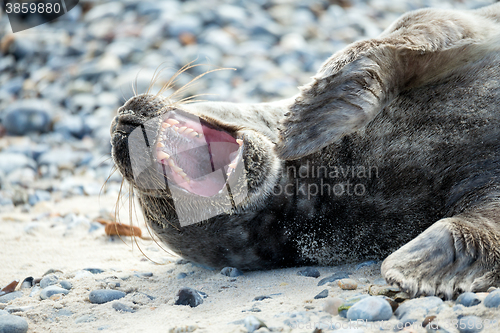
[{"x": 392, "y": 151}]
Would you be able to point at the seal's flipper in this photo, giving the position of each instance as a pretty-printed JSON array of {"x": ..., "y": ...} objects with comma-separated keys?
[
  {"x": 355, "y": 84},
  {"x": 454, "y": 255}
]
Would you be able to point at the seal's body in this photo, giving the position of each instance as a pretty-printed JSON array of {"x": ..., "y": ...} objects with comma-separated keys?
[{"x": 396, "y": 141}]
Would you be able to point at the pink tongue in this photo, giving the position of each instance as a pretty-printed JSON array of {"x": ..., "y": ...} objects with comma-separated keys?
[{"x": 210, "y": 185}]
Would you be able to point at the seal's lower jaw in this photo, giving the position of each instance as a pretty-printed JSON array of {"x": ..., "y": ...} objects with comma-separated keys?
[{"x": 195, "y": 155}]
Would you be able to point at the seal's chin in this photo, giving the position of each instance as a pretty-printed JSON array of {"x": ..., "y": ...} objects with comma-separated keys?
[{"x": 196, "y": 156}]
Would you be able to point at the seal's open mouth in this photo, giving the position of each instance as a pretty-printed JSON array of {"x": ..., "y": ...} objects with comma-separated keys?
[{"x": 195, "y": 155}]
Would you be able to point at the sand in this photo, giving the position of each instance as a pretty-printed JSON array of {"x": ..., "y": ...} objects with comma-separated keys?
[{"x": 30, "y": 248}]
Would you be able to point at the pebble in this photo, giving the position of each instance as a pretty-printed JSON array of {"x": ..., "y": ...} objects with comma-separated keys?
[
  {"x": 13, "y": 161},
  {"x": 347, "y": 284},
  {"x": 114, "y": 228},
  {"x": 26, "y": 116},
  {"x": 468, "y": 299},
  {"x": 13, "y": 324},
  {"x": 309, "y": 272},
  {"x": 261, "y": 298},
  {"x": 94, "y": 270},
  {"x": 344, "y": 307},
  {"x": 470, "y": 324},
  {"x": 424, "y": 303},
  {"x": 143, "y": 274},
  {"x": 371, "y": 308},
  {"x": 64, "y": 313},
  {"x": 322, "y": 294},
  {"x": 48, "y": 280},
  {"x": 334, "y": 277},
  {"x": 105, "y": 295},
  {"x": 120, "y": 307},
  {"x": 52, "y": 290},
  {"x": 66, "y": 284},
  {"x": 493, "y": 299},
  {"x": 386, "y": 290},
  {"x": 85, "y": 319},
  {"x": 365, "y": 264},
  {"x": 231, "y": 272},
  {"x": 11, "y": 296},
  {"x": 331, "y": 306},
  {"x": 253, "y": 323},
  {"x": 188, "y": 296},
  {"x": 35, "y": 291},
  {"x": 181, "y": 275}
]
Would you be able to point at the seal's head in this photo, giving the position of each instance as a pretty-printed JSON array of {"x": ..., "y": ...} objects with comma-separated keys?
[{"x": 204, "y": 162}]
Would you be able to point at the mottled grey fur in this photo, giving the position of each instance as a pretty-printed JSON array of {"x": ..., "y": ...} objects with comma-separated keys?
[{"x": 417, "y": 109}]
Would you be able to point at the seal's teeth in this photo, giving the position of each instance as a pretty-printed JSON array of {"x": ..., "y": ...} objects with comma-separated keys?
[
  {"x": 172, "y": 121},
  {"x": 176, "y": 169},
  {"x": 162, "y": 155},
  {"x": 160, "y": 145},
  {"x": 183, "y": 174},
  {"x": 176, "y": 128},
  {"x": 188, "y": 130},
  {"x": 165, "y": 125},
  {"x": 200, "y": 135},
  {"x": 192, "y": 135},
  {"x": 182, "y": 129},
  {"x": 239, "y": 141},
  {"x": 232, "y": 165},
  {"x": 171, "y": 162}
]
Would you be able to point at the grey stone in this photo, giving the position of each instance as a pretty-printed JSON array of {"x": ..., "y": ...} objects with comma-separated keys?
[
  {"x": 25, "y": 116},
  {"x": 345, "y": 306},
  {"x": 48, "y": 280},
  {"x": 261, "y": 298},
  {"x": 231, "y": 272},
  {"x": 85, "y": 319},
  {"x": 13, "y": 161},
  {"x": 52, "y": 290},
  {"x": 38, "y": 196},
  {"x": 94, "y": 270},
  {"x": 493, "y": 299},
  {"x": 425, "y": 303},
  {"x": 143, "y": 274},
  {"x": 188, "y": 296},
  {"x": 64, "y": 313},
  {"x": 253, "y": 323},
  {"x": 365, "y": 264},
  {"x": 35, "y": 290},
  {"x": 66, "y": 284},
  {"x": 371, "y": 309},
  {"x": 13, "y": 324},
  {"x": 468, "y": 299},
  {"x": 322, "y": 294},
  {"x": 181, "y": 275},
  {"x": 120, "y": 307},
  {"x": 9, "y": 297},
  {"x": 309, "y": 272},
  {"x": 105, "y": 295},
  {"x": 334, "y": 277}
]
